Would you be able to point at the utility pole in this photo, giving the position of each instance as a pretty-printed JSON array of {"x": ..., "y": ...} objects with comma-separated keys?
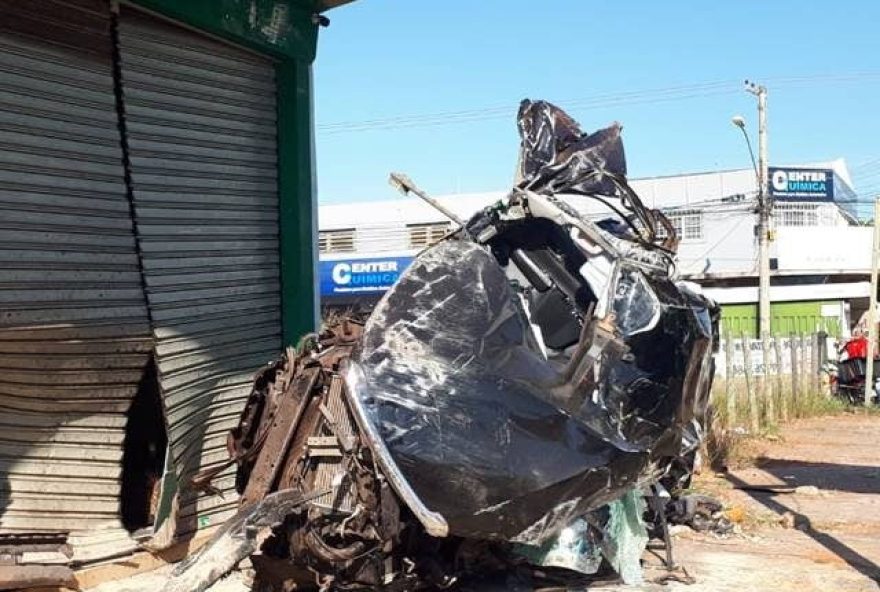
[
  {"x": 872, "y": 308},
  {"x": 764, "y": 212}
]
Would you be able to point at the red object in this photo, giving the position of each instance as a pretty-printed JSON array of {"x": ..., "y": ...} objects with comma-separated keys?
[{"x": 856, "y": 348}]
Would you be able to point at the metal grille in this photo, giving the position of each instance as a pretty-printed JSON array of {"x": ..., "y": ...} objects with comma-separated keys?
[
  {"x": 807, "y": 214},
  {"x": 200, "y": 120},
  {"x": 330, "y": 473},
  {"x": 336, "y": 241},
  {"x": 796, "y": 215},
  {"x": 422, "y": 235},
  {"x": 74, "y": 337}
]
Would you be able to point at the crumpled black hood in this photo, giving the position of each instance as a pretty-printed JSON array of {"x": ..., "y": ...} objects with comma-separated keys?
[{"x": 482, "y": 425}]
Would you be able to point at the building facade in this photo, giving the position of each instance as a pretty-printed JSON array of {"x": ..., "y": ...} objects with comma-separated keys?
[{"x": 819, "y": 253}]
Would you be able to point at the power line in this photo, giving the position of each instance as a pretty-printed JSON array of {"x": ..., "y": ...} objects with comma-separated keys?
[
  {"x": 483, "y": 115},
  {"x": 504, "y": 110},
  {"x": 655, "y": 95},
  {"x": 865, "y": 164},
  {"x": 873, "y": 171}
]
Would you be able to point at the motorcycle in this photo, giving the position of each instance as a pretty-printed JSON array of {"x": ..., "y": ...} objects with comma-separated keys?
[{"x": 848, "y": 372}]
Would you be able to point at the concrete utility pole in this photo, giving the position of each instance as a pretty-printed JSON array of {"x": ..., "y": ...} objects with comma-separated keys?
[
  {"x": 872, "y": 308},
  {"x": 765, "y": 206}
]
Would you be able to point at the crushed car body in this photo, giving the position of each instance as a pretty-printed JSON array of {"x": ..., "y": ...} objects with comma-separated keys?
[{"x": 523, "y": 376}]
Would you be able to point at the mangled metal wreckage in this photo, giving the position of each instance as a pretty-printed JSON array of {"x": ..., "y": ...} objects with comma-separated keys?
[{"x": 521, "y": 378}]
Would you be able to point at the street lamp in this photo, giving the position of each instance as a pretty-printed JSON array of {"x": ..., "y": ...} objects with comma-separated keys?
[{"x": 740, "y": 122}]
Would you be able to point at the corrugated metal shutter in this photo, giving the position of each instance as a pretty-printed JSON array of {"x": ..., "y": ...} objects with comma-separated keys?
[
  {"x": 201, "y": 128},
  {"x": 74, "y": 336}
]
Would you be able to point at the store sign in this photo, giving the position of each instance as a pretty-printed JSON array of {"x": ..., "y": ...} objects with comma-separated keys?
[
  {"x": 801, "y": 184},
  {"x": 360, "y": 276}
]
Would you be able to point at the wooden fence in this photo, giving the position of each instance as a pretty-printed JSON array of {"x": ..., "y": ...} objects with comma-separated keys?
[{"x": 756, "y": 391}]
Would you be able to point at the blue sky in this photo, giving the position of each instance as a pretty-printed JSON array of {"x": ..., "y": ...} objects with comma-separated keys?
[{"x": 670, "y": 72}]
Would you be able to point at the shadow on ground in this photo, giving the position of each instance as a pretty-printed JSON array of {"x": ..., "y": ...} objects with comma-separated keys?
[
  {"x": 770, "y": 500},
  {"x": 831, "y": 476}
]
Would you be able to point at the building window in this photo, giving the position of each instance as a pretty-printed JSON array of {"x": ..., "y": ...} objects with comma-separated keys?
[
  {"x": 797, "y": 215},
  {"x": 688, "y": 225},
  {"x": 336, "y": 241},
  {"x": 422, "y": 235}
]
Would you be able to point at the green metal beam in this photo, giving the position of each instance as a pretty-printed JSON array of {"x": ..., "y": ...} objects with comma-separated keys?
[{"x": 296, "y": 180}]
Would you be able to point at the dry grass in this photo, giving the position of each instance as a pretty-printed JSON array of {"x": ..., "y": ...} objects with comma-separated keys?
[{"x": 731, "y": 434}]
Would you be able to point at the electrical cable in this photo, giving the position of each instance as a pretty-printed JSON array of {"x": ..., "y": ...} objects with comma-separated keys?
[{"x": 697, "y": 90}]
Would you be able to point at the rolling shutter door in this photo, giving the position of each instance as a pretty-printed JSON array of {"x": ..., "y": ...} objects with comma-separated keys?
[
  {"x": 201, "y": 129},
  {"x": 74, "y": 335}
]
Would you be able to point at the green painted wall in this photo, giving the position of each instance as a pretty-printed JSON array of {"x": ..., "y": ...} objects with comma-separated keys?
[
  {"x": 785, "y": 318},
  {"x": 281, "y": 28},
  {"x": 284, "y": 31}
]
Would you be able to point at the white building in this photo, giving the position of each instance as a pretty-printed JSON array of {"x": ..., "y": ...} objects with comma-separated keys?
[{"x": 820, "y": 257}]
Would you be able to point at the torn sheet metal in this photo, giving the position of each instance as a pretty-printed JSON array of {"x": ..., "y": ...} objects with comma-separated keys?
[
  {"x": 557, "y": 157},
  {"x": 530, "y": 373},
  {"x": 239, "y": 536}
]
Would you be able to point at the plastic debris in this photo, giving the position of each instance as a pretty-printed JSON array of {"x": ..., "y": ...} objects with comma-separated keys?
[
  {"x": 576, "y": 547},
  {"x": 626, "y": 537}
]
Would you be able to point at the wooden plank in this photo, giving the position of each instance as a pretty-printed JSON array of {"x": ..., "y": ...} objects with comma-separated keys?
[
  {"x": 751, "y": 394},
  {"x": 781, "y": 397},
  {"x": 795, "y": 372},
  {"x": 728, "y": 378},
  {"x": 131, "y": 565},
  {"x": 15, "y": 577}
]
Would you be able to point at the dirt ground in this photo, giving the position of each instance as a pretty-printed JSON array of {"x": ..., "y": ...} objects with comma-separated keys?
[{"x": 824, "y": 536}]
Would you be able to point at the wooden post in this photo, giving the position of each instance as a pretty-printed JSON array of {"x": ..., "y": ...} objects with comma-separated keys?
[
  {"x": 759, "y": 381},
  {"x": 806, "y": 356},
  {"x": 814, "y": 364},
  {"x": 780, "y": 390},
  {"x": 729, "y": 382},
  {"x": 795, "y": 372},
  {"x": 751, "y": 394},
  {"x": 817, "y": 363},
  {"x": 769, "y": 404}
]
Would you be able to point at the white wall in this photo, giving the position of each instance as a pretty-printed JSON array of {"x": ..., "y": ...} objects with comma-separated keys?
[
  {"x": 824, "y": 249},
  {"x": 728, "y": 245}
]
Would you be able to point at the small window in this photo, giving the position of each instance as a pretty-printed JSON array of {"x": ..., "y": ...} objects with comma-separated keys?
[
  {"x": 422, "y": 235},
  {"x": 693, "y": 226},
  {"x": 336, "y": 241},
  {"x": 688, "y": 225}
]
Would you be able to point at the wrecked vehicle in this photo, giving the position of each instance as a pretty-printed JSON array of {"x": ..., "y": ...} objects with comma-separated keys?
[{"x": 516, "y": 390}]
